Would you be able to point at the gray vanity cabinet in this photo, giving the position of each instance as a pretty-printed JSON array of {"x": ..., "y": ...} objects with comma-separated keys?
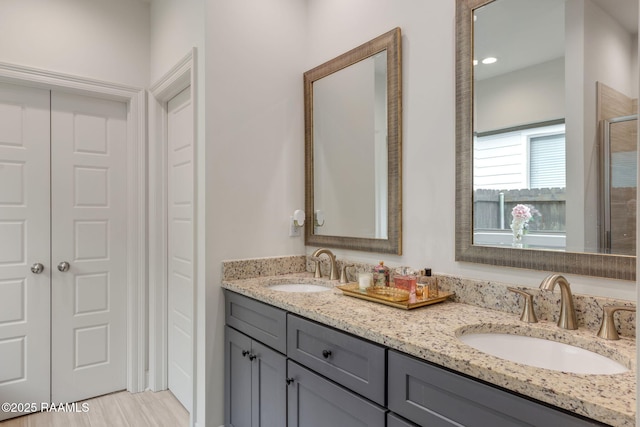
[
  {"x": 314, "y": 401},
  {"x": 429, "y": 395},
  {"x": 255, "y": 383}
]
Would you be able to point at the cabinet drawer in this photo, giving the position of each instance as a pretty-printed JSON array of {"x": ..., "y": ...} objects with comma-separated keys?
[
  {"x": 260, "y": 321},
  {"x": 314, "y": 401},
  {"x": 350, "y": 361},
  {"x": 429, "y": 395}
]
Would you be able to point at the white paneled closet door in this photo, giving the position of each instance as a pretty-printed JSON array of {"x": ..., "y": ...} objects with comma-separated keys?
[
  {"x": 24, "y": 244},
  {"x": 180, "y": 246},
  {"x": 88, "y": 216},
  {"x": 62, "y": 200}
]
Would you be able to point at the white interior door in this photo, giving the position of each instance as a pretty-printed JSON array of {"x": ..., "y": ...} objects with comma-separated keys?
[
  {"x": 24, "y": 241},
  {"x": 89, "y": 201},
  {"x": 180, "y": 246}
]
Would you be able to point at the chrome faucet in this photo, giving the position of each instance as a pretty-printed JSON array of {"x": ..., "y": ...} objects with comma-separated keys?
[
  {"x": 332, "y": 258},
  {"x": 567, "y": 318}
]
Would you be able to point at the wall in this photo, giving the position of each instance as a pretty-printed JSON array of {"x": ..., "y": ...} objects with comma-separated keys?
[
  {"x": 100, "y": 39},
  {"x": 542, "y": 85},
  {"x": 254, "y": 149},
  {"x": 176, "y": 27}
]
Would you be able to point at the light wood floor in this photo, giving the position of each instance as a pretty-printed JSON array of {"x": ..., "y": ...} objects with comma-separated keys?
[{"x": 121, "y": 409}]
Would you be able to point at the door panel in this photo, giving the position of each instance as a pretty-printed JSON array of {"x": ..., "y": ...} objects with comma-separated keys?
[
  {"x": 24, "y": 240},
  {"x": 89, "y": 196},
  {"x": 180, "y": 246}
]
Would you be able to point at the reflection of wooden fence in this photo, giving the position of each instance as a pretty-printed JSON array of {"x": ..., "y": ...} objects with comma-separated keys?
[{"x": 548, "y": 203}]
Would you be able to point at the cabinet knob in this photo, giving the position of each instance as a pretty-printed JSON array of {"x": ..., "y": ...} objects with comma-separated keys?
[
  {"x": 245, "y": 353},
  {"x": 252, "y": 357},
  {"x": 290, "y": 381},
  {"x": 326, "y": 353}
]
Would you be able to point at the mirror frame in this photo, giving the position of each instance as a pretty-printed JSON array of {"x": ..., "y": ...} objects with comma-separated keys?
[
  {"x": 391, "y": 42},
  {"x": 587, "y": 264}
]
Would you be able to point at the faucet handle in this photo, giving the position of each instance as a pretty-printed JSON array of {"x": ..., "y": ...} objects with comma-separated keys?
[
  {"x": 528, "y": 312},
  {"x": 608, "y": 329},
  {"x": 317, "y": 272},
  {"x": 316, "y": 262},
  {"x": 343, "y": 273}
]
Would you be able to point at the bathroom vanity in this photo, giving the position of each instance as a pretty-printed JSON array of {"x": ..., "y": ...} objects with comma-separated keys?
[{"x": 318, "y": 359}]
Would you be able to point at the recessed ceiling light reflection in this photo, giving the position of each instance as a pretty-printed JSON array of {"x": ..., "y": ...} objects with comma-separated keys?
[{"x": 489, "y": 60}]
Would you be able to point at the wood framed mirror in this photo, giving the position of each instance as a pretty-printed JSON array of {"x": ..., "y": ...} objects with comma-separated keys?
[
  {"x": 583, "y": 128},
  {"x": 353, "y": 148}
]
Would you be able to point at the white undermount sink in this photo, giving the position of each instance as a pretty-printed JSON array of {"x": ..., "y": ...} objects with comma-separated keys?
[
  {"x": 299, "y": 287},
  {"x": 543, "y": 353}
]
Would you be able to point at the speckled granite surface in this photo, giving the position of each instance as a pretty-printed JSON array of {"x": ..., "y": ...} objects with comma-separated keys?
[
  {"x": 259, "y": 267},
  {"x": 430, "y": 333}
]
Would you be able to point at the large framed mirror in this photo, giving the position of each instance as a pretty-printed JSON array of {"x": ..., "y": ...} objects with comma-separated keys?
[
  {"x": 353, "y": 148},
  {"x": 546, "y": 135}
]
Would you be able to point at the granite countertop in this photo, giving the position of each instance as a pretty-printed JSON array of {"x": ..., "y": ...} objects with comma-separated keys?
[{"x": 430, "y": 333}]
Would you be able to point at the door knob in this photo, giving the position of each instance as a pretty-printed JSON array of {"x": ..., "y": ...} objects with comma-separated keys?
[
  {"x": 37, "y": 268},
  {"x": 64, "y": 266}
]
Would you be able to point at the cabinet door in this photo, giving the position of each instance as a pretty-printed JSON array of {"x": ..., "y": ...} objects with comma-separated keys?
[
  {"x": 237, "y": 379},
  {"x": 317, "y": 402},
  {"x": 269, "y": 387}
]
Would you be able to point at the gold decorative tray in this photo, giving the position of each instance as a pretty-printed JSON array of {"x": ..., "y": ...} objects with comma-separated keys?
[
  {"x": 390, "y": 296},
  {"x": 386, "y": 293}
]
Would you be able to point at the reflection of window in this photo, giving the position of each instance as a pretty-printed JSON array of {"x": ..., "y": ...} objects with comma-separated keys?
[
  {"x": 531, "y": 157},
  {"x": 547, "y": 162}
]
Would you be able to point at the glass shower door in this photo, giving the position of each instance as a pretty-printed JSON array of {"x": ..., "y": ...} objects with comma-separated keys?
[{"x": 619, "y": 173}]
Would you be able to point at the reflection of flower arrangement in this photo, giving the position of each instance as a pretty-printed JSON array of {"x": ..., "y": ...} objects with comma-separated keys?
[
  {"x": 535, "y": 215},
  {"x": 521, "y": 215}
]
